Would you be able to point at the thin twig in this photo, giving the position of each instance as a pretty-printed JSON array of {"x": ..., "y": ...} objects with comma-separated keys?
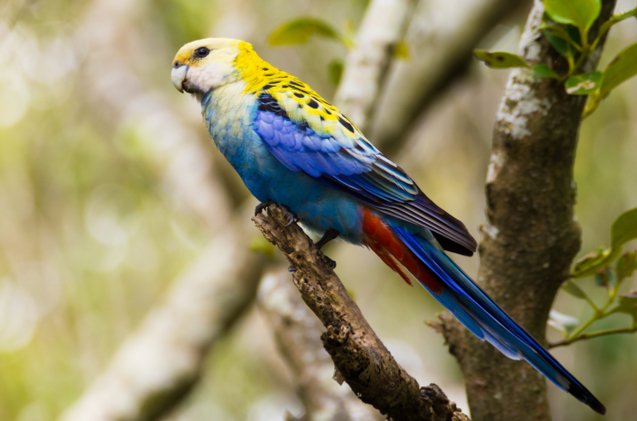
[
  {"x": 598, "y": 314},
  {"x": 591, "y": 335}
]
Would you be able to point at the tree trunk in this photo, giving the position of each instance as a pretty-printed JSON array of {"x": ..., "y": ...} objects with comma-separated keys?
[{"x": 531, "y": 237}]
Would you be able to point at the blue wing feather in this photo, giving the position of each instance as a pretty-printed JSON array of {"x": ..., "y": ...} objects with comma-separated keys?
[{"x": 357, "y": 167}]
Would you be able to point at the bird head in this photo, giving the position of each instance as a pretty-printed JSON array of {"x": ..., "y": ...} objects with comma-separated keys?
[{"x": 206, "y": 64}]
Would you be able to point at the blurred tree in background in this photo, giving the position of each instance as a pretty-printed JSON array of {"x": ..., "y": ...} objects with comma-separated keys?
[{"x": 111, "y": 193}]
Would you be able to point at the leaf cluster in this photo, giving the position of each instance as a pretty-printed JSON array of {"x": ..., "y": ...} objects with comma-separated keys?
[
  {"x": 610, "y": 267},
  {"x": 567, "y": 28}
]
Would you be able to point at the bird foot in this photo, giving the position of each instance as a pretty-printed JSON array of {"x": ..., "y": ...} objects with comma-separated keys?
[{"x": 328, "y": 236}]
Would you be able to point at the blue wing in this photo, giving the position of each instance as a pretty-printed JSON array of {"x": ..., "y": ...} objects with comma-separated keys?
[{"x": 340, "y": 155}]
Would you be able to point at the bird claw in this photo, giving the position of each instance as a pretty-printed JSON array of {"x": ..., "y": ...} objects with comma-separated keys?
[
  {"x": 289, "y": 216},
  {"x": 261, "y": 206},
  {"x": 329, "y": 262}
]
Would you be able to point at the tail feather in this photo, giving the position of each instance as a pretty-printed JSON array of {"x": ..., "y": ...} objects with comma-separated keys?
[{"x": 468, "y": 303}]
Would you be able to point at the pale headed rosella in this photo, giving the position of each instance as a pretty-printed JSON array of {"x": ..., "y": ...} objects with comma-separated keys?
[{"x": 291, "y": 147}]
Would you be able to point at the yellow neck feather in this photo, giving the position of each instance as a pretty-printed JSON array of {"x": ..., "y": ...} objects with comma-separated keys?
[{"x": 298, "y": 100}]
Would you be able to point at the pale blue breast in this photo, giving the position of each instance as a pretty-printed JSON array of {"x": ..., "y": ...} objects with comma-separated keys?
[{"x": 230, "y": 116}]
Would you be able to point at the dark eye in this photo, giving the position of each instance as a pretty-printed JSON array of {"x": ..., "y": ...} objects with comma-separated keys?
[{"x": 201, "y": 52}]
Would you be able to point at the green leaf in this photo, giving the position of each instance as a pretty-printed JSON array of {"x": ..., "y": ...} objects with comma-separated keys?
[
  {"x": 542, "y": 70},
  {"x": 559, "y": 39},
  {"x": 580, "y": 13},
  {"x": 590, "y": 263},
  {"x": 572, "y": 288},
  {"x": 628, "y": 304},
  {"x": 584, "y": 83},
  {"x": 624, "y": 229},
  {"x": 626, "y": 265},
  {"x": 300, "y": 30},
  {"x": 335, "y": 71},
  {"x": 500, "y": 59},
  {"x": 623, "y": 67}
]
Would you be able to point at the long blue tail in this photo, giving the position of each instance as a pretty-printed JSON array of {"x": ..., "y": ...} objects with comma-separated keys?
[{"x": 485, "y": 319}]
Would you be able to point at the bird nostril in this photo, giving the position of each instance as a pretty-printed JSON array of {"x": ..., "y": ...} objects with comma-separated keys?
[{"x": 176, "y": 64}]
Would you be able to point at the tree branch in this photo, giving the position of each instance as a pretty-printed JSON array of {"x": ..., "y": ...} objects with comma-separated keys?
[
  {"x": 159, "y": 364},
  {"x": 441, "y": 38},
  {"x": 359, "y": 356},
  {"x": 297, "y": 333},
  {"x": 185, "y": 168},
  {"x": 531, "y": 236},
  {"x": 367, "y": 63}
]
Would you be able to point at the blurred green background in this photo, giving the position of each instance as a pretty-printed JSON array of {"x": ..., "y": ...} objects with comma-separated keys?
[{"x": 99, "y": 212}]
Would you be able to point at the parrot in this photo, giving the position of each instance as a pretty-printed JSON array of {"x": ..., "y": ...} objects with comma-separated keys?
[{"x": 292, "y": 147}]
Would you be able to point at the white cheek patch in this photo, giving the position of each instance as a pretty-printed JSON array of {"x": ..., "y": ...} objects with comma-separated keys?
[
  {"x": 211, "y": 75},
  {"x": 214, "y": 72}
]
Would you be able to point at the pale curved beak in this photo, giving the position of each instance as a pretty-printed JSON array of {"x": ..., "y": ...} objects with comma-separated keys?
[{"x": 178, "y": 76}]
